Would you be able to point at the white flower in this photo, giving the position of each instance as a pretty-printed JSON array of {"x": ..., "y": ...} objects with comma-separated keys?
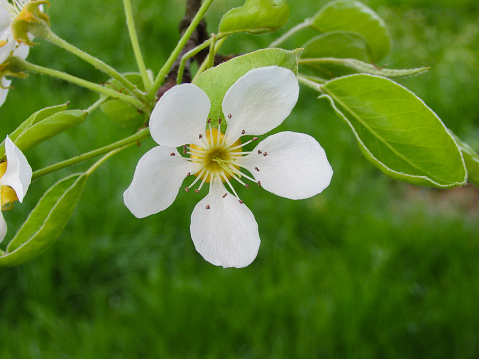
[
  {"x": 15, "y": 177},
  {"x": 288, "y": 164},
  {"x": 8, "y": 45}
]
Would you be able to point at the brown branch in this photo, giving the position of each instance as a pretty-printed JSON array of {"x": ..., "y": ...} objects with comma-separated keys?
[{"x": 198, "y": 37}]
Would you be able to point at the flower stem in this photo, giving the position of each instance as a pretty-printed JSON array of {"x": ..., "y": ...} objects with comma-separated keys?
[
  {"x": 291, "y": 32},
  {"x": 135, "y": 44},
  {"x": 83, "y": 83},
  {"x": 189, "y": 55},
  {"x": 204, "y": 65},
  {"x": 104, "y": 158},
  {"x": 139, "y": 136},
  {"x": 311, "y": 84},
  {"x": 181, "y": 44},
  {"x": 56, "y": 40}
]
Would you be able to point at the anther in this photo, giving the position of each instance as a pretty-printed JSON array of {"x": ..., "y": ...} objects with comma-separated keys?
[
  {"x": 257, "y": 169},
  {"x": 255, "y": 138},
  {"x": 197, "y": 191},
  {"x": 208, "y": 206},
  {"x": 187, "y": 189},
  {"x": 259, "y": 152},
  {"x": 247, "y": 186},
  {"x": 259, "y": 183},
  {"x": 188, "y": 174},
  {"x": 209, "y": 120},
  {"x": 184, "y": 152},
  {"x": 241, "y": 201},
  {"x": 243, "y": 132},
  {"x": 224, "y": 195},
  {"x": 219, "y": 121},
  {"x": 229, "y": 116},
  {"x": 172, "y": 154},
  {"x": 265, "y": 154},
  {"x": 200, "y": 136}
]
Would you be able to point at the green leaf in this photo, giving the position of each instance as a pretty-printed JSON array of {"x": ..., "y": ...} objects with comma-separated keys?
[
  {"x": 396, "y": 131},
  {"x": 256, "y": 17},
  {"x": 33, "y": 119},
  {"x": 46, "y": 221},
  {"x": 120, "y": 112},
  {"x": 471, "y": 158},
  {"x": 340, "y": 44},
  {"x": 217, "y": 80},
  {"x": 324, "y": 67},
  {"x": 353, "y": 16},
  {"x": 49, "y": 127}
]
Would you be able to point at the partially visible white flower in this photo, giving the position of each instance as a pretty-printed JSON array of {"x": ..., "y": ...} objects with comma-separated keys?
[
  {"x": 288, "y": 164},
  {"x": 15, "y": 177},
  {"x": 8, "y": 45}
]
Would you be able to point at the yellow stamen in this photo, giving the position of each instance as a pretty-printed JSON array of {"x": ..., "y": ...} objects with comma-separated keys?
[{"x": 217, "y": 158}]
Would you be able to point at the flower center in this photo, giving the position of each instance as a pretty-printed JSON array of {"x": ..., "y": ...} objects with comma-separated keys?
[
  {"x": 7, "y": 194},
  {"x": 216, "y": 159}
]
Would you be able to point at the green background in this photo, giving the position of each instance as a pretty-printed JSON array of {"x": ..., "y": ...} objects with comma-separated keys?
[{"x": 370, "y": 268}]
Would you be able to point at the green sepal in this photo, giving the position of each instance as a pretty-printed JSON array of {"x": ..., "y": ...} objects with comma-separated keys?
[
  {"x": 120, "y": 112},
  {"x": 217, "y": 80},
  {"x": 353, "y": 16},
  {"x": 46, "y": 221},
  {"x": 396, "y": 131},
  {"x": 255, "y": 17}
]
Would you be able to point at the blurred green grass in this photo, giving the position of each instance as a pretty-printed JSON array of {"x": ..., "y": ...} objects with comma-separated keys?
[{"x": 371, "y": 268}]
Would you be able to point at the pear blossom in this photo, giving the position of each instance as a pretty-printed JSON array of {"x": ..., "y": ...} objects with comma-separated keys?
[
  {"x": 8, "y": 45},
  {"x": 15, "y": 177},
  {"x": 288, "y": 164}
]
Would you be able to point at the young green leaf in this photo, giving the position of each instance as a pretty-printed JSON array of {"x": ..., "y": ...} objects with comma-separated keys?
[
  {"x": 46, "y": 221},
  {"x": 49, "y": 127},
  {"x": 256, "y": 17},
  {"x": 334, "y": 67},
  {"x": 340, "y": 44},
  {"x": 396, "y": 131},
  {"x": 33, "y": 119},
  {"x": 217, "y": 80},
  {"x": 354, "y": 16}
]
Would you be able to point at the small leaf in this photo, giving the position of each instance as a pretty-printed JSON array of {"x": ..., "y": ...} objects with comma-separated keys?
[
  {"x": 33, "y": 119},
  {"x": 340, "y": 44},
  {"x": 120, "y": 112},
  {"x": 256, "y": 17},
  {"x": 396, "y": 131},
  {"x": 46, "y": 221},
  {"x": 217, "y": 80},
  {"x": 471, "y": 158},
  {"x": 324, "y": 66},
  {"x": 49, "y": 127},
  {"x": 353, "y": 16}
]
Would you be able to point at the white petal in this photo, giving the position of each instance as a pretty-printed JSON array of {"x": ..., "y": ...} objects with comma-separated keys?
[
  {"x": 7, "y": 49},
  {"x": 180, "y": 116},
  {"x": 260, "y": 101},
  {"x": 5, "y": 17},
  {"x": 226, "y": 234},
  {"x": 21, "y": 51},
  {"x": 295, "y": 166},
  {"x": 157, "y": 179},
  {"x": 19, "y": 173},
  {"x": 3, "y": 227},
  {"x": 4, "y": 91}
]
